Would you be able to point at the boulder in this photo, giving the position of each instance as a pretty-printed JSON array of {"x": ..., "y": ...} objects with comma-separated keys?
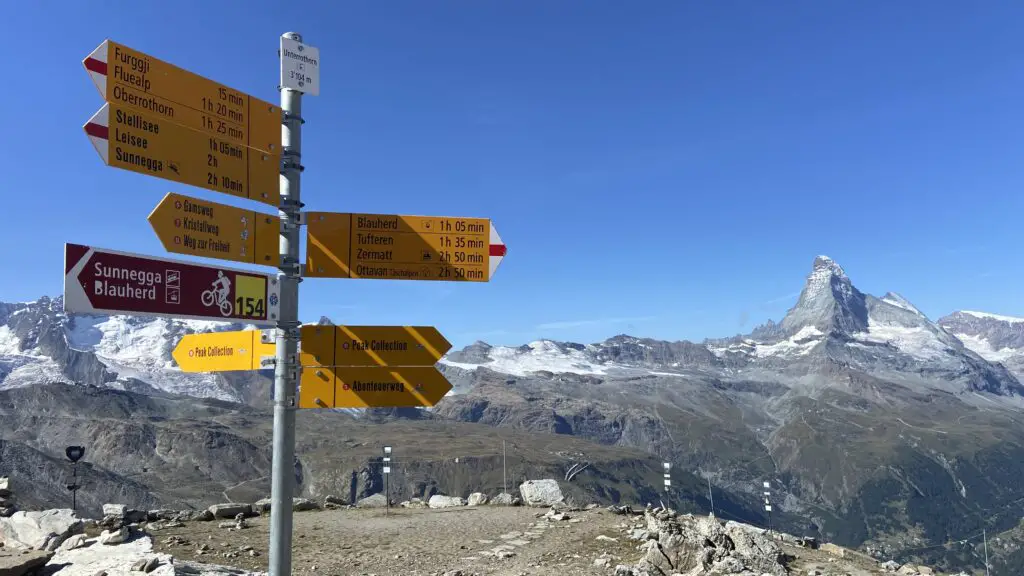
[
  {"x": 505, "y": 499},
  {"x": 230, "y": 510},
  {"x": 373, "y": 501},
  {"x": 261, "y": 506},
  {"x": 17, "y": 563},
  {"x": 114, "y": 510},
  {"x": 76, "y": 541},
  {"x": 335, "y": 500},
  {"x": 439, "y": 501},
  {"x": 414, "y": 503},
  {"x": 304, "y": 504},
  {"x": 135, "y": 516},
  {"x": 541, "y": 492},
  {"x": 837, "y": 551},
  {"x": 39, "y": 530},
  {"x": 203, "y": 516},
  {"x": 477, "y": 499},
  {"x": 154, "y": 515},
  {"x": 113, "y": 537}
]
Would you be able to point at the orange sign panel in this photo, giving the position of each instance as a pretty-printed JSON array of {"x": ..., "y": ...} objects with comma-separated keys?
[
  {"x": 371, "y": 387},
  {"x": 128, "y": 139},
  {"x": 131, "y": 78},
  {"x": 372, "y": 345},
  {"x": 222, "y": 351},
  {"x": 393, "y": 247},
  {"x": 196, "y": 227}
]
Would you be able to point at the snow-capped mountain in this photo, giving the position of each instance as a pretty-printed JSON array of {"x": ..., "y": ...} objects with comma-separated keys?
[
  {"x": 994, "y": 337},
  {"x": 39, "y": 343},
  {"x": 832, "y": 322}
]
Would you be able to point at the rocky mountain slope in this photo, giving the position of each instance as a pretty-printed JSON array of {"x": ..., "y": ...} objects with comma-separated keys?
[
  {"x": 998, "y": 339},
  {"x": 876, "y": 426}
]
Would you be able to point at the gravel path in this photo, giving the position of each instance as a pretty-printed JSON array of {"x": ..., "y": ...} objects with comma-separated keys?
[{"x": 499, "y": 541}]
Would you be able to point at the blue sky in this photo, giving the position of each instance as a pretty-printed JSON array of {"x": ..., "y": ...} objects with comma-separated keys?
[{"x": 666, "y": 169}]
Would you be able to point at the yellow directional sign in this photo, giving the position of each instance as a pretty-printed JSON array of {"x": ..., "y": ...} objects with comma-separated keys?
[
  {"x": 131, "y": 140},
  {"x": 131, "y": 78},
  {"x": 222, "y": 351},
  {"x": 372, "y": 345},
  {"x": 371, "y": 387},
  {"x": 200, "y": 228},
  {"x": 392, "y": 247}
]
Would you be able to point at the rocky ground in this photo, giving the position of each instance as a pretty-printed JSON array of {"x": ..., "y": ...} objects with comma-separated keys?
[{"x": 447, "y": 536}]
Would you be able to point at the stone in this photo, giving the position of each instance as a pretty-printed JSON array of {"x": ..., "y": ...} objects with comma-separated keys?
[
  {"x": 151, "y": 565},
  {"x": 603, "y": 538},
  {"x": 890, "y": 566},
  {"x": 5, "y": 487},
  {"x": 907, "y": 570},
  {"x": 39, "y": 530},
  {"x": 113, "y": 560},
  {"x": 505, "y": 499},
  {"x": 925, "y": 571},
  {"x": 114, "y": 510},
  {"x": 73, "y": 542},
  {"x": 304, "y": 504},
  {"x": 541, "y": 492},
  {"x": 203, "y": 516},
  {"x": 139, "y": 565},
  {"x": 414, "y": 503},
  {"x": 439, "y": 501},
  {"x": 135, "y": 516},
  {"x": 373, "y": 501},
  {"x": 18, "y": 563},
  {"x": 154, "y": 515},
  {"x": 476, "y": 499},
  {"x": 602, "y": 562},
  {"x": 337, "y": 501},
  {"x": 230, "y": 510},
  {"x": 261, "y": 506},
  {"x": 113, "y": 537}
]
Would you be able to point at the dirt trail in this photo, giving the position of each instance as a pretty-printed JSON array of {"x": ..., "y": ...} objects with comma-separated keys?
[{"x": 417, "y": 542}]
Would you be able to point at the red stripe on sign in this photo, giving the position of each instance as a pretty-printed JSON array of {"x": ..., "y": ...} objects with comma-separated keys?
[
  {"x": 72, "y": 255},
  {"x": 94, "y": 65},
  {"x": 97, "y": 131},
  {"x": 498, "y": 249}
]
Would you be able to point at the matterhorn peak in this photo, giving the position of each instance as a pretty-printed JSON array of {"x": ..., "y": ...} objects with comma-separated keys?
[{"x": 827, "y": 302}]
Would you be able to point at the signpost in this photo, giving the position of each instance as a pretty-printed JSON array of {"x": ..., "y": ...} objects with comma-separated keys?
[
  {"x": 200, "y": 228},
  {"x": 170, "y": 123},
  {"x": 392, "y": 247},
  {"x": 100, "y": 281},
  {"x": 224, "y": 351},
  {"x": 372, "y": 345},
  {"x": 139, "y": 142},
  {"x": 131, "y": 78},
  {"x": 371, "y": 387}
]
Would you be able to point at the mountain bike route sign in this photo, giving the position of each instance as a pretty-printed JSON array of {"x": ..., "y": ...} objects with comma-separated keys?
[{"x": 100, "y": 281}]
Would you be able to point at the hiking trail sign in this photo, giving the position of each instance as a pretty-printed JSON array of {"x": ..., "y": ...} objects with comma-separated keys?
[
  {"x": 129, "y": 139},
  {"x": 225, "y": 351},
  {"x": 394, "y": 247},
  {"x": 187, "y": 225},
  {"x": 99, "y": 281},
  {"x": 328, "y": 345},
  {"x": 371, "y": 387},
  {"x": 131, "y": 78}
]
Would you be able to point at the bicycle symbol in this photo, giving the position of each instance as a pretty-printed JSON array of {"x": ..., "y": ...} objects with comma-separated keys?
[{"x": 218, "y": 294}]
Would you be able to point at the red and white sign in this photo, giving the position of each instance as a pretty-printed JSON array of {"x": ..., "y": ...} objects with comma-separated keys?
[
  {"x": 99, "y": 281},
  {"x": 497, "y": 249}
]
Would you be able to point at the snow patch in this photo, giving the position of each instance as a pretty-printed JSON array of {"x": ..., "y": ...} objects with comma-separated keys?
[
  {"x": 798, "y": 344},
  {"x": 918, "y": 342},
  {"x": 1001, "y": 318},
  {"x": 542, "y": 355},
  {"x": 900, "y": 302},
  {"x": 984, "y": 348}
]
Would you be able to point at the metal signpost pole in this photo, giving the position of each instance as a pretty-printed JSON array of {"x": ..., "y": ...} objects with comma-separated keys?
[
  {"x": 286, "y": 371},
  {"x": 386, "y": 460}
]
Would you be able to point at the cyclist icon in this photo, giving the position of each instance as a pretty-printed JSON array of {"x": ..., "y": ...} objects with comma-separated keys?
[{"x": 220, "y": 294}]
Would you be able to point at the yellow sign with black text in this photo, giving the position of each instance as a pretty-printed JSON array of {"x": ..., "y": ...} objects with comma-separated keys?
[
  {"x": 187, "y": 225},
  {"x": 131, "y": 78},
  {"x": 128, "y": 139},
  {"x": 222, "y": 351}
]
